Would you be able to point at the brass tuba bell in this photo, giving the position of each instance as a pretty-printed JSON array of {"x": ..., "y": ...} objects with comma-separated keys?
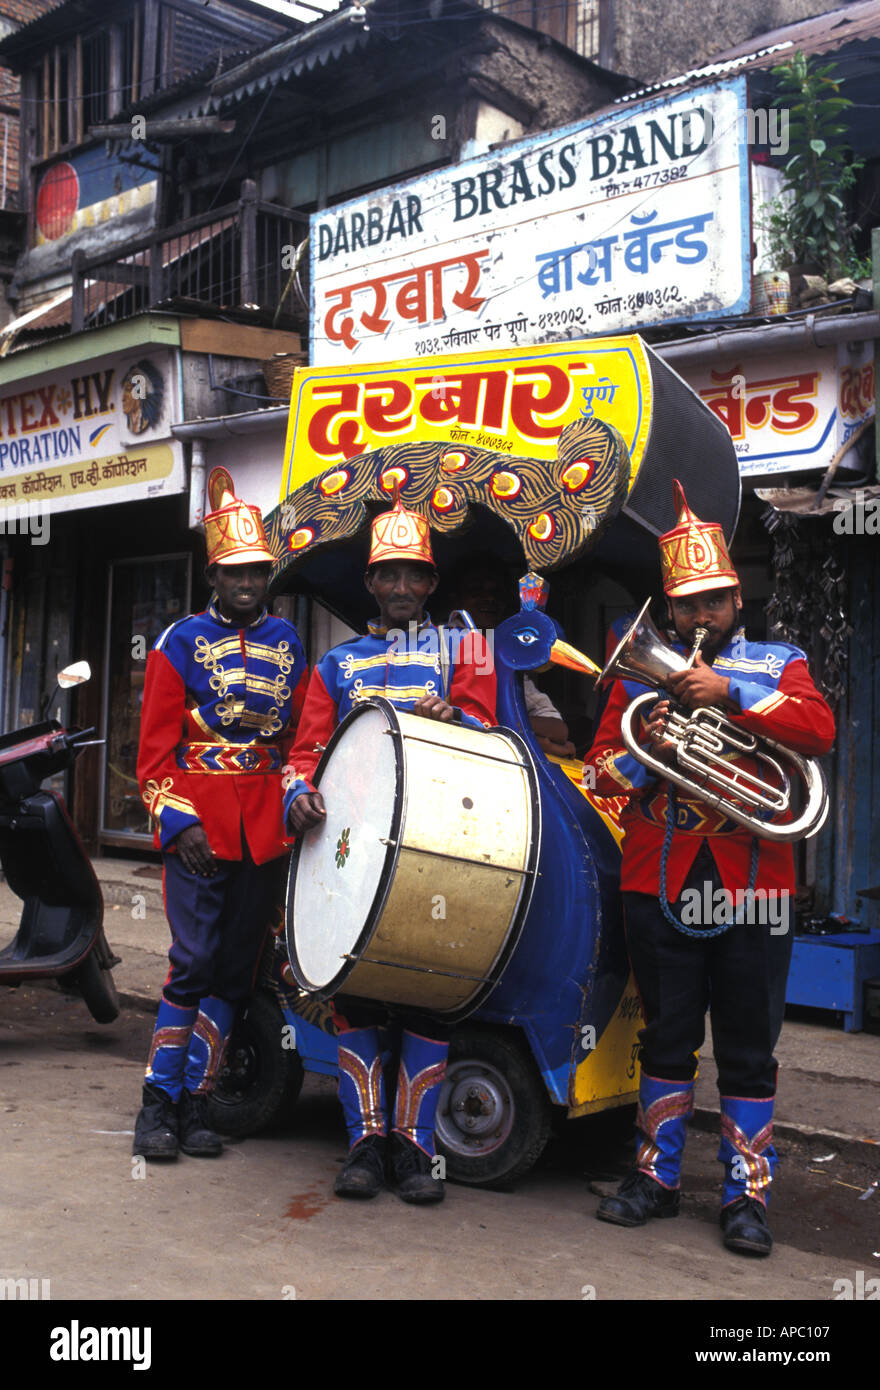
[{"x": 706, "y": 741}]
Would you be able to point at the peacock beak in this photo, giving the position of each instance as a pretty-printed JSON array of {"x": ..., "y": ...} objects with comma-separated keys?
[{"x": 564, "y": 655}]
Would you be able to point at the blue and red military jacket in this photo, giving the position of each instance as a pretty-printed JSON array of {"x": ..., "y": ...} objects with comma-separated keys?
[
  {"x": 221, "y": 704},
  {"x": 771, "y": 683},
  {"x": 403, "y": 671}
]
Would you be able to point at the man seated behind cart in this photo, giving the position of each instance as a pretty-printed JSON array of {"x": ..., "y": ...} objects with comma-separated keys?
[
  {"x": 480, "y": 590},
  {"x": 402, "y": 659}
]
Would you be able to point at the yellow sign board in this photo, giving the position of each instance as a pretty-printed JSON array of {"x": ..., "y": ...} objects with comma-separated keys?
[
  {"x": 82, "y": 479},
  {"x": 515, "y": 401}
]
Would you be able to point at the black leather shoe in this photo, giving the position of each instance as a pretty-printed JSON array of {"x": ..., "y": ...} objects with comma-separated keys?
[
  {"x": 413, "y": 1173},
  {"x": 363, "y": 1172},
  {"x": 638, "y": 1198},
  {"x": 197, "y": 1138},
  {"x": 744, "y": 1224},
  {"x": 155, "y": 1129}
]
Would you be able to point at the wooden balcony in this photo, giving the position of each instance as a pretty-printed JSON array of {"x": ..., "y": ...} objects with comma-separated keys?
[{"x": 232, "y": 257}]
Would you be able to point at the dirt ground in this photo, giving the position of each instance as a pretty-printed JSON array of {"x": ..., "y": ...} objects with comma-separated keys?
[{"x": 66, "y": 1082}]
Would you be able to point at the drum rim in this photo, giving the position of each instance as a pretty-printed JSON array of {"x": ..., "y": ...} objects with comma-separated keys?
[
  {"x": 386, "y": 877},
  {"x": 518, "y": 917}
]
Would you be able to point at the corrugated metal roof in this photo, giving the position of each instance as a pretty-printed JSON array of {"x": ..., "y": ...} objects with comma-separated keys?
[
  {"x": 821, "y": 34},
  {"x": 827, "y": 32},
  {"x": 253, "y": 20},
  {"x": 318, "y": 44}
]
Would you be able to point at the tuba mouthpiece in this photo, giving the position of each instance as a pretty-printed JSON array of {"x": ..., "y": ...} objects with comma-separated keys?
[{"x": 699, "y": 638}]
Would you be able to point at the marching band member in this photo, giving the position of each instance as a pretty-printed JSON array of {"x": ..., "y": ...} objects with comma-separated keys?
[
  {"x": 676, "y": 842},
  {"x": 404, "y": 659},
  {"x": 222, "y": 694}
]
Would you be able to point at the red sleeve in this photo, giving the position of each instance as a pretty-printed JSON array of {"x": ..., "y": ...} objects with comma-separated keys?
[
  {"x": 474, "y": 688},
  {"x": 794, "y": 714},
  {"x": 163, "y": 784},
  {"x": 316, "y": 724},
  {"x": 286, "y": 742},
  {"x": 617, "y": 772}
]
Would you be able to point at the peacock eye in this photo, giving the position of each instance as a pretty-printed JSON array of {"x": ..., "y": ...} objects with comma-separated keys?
[{"x": 527, "y": 637}]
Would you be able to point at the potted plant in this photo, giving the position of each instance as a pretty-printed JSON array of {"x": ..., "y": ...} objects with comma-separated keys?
[{"x": 807, "y": 226}]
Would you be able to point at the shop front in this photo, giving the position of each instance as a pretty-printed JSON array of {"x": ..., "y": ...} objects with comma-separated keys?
[{"x": 94, "y": 517}]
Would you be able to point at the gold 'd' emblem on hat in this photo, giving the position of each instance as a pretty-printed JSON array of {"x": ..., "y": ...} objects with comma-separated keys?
[
  {"x": 400, "y": 535},
  {"x": 693, "y": 555},
  {"x": 234, "y": 531}
]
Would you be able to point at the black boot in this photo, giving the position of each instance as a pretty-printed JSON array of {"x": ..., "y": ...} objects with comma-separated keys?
[
  {"x": 413, "y": 1178},
  {"x": 155, "y": 1130},
  {"x": 638, "y": 1198},
  {"x": 363, "y": 1172},
  {"x": 196, "y": 1136},
  {"x": 744, "y": 1224}
]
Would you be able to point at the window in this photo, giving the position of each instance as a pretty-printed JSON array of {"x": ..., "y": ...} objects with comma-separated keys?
[
  {"x": 573, "y": 22},
  {"x": 92, "y": 77}
]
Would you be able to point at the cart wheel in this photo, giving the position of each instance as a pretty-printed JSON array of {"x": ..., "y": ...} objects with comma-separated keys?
[
  {"x": 494, "y": 1115},
  {"x": 261, "y": 1078},
  {"x": 97, "y": 987}
]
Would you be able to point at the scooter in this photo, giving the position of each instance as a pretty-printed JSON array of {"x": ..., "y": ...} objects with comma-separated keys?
[{"x": 60, "y": 934}]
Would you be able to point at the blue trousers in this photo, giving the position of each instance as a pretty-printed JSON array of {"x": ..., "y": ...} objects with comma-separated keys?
[
  {"x": 218, "y": 925},
  {"x": 739, "y": 977}
]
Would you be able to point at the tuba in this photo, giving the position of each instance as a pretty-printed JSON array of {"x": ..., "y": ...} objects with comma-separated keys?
[{"x": 705, "y": 742}]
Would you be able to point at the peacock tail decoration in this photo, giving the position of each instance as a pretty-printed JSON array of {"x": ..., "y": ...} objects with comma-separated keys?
[{"x": 557, "y": 508}]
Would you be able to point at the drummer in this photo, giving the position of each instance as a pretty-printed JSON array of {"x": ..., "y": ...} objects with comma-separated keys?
[{"x": 403, "y": 659}]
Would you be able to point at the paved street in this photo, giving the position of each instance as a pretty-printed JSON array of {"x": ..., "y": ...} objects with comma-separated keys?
[
  {"x": 262, "y": 1221},
  {"x": 260, "y": 1225}
]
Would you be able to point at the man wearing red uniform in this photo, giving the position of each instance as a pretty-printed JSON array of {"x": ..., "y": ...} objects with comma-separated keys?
[
  {"x": 677, "y": 847},
  {"x": 404, "y": 659},
  {"x": 222, "y": 695}
]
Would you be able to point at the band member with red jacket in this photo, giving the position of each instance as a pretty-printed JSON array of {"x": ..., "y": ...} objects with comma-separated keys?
[
  {"x": 404, "y": 659},
  {"x": 679, "y": 855},
  {"x": 222, "y": 695}
]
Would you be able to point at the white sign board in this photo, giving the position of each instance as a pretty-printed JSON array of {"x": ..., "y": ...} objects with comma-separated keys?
[
  {"x": 636, "y": 218},
  {"x": 789, "y": 412},
  {"x": 92, "y": 434}
]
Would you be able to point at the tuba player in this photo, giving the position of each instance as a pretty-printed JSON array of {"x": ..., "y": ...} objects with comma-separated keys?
[{"x": 697, "y": 937}]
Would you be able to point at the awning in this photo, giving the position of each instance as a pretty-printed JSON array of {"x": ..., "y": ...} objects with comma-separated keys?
[{"x": 51, "y": 313}]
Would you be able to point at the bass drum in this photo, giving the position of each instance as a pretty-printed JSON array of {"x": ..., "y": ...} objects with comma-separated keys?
[{"x": 415, "y": 888}]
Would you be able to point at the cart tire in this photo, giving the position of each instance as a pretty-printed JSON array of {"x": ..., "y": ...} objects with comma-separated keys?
[
  {"x": 97, "y": 988},
  {"x": 494, "y": 1115},
  {"x": 261, "y": 1078}
]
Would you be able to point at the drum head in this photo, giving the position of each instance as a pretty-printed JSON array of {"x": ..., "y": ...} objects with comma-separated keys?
[{"x": 340, "y": 870}]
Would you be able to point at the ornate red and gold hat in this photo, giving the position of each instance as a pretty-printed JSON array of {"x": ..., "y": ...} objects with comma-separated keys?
[
  {"x": 233, "y": 530},
  {"x": 693, "y": 555},
  {"x": 400, "y": 535}
]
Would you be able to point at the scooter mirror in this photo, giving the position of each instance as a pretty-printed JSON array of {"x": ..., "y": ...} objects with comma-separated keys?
[{"x": 76, "y": 674}]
